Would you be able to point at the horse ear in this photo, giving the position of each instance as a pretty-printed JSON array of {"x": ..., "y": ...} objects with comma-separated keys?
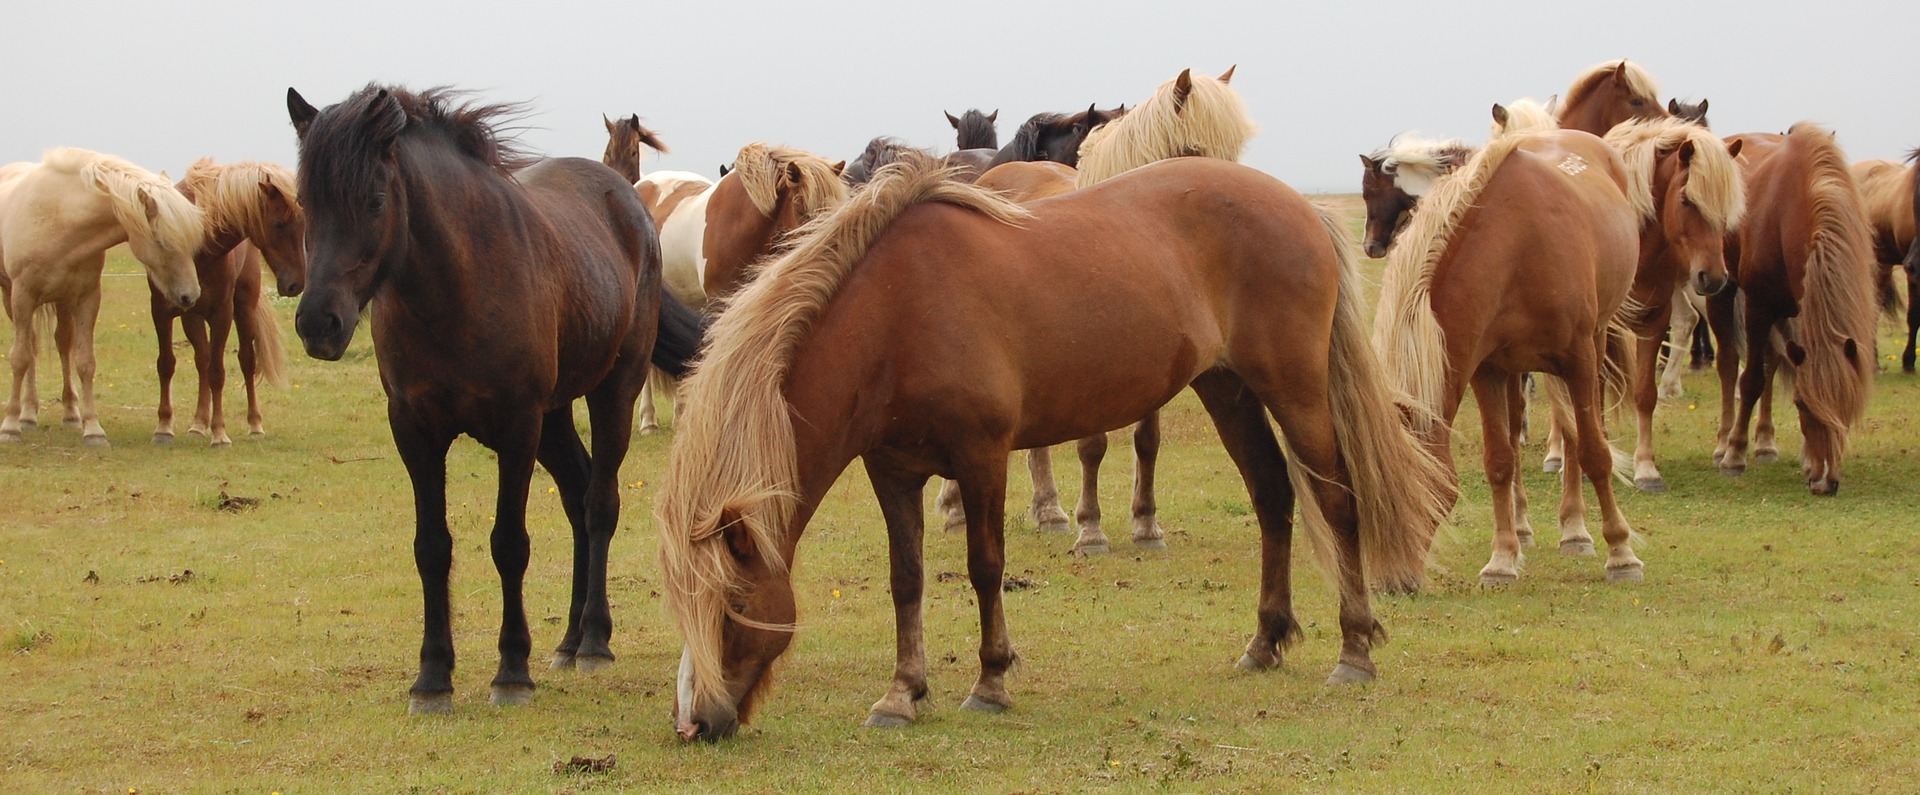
[
  {"x": 608, "y": 122},
  {"x": 1733, "y": 149},
  {"x": 271, "y": 192},
  {"x": 386, "y": 117},
  {"x": 994, "y": 117},
  {"x": 840, "y": 167},
  {"x": 301, "y": 113},
  {"x": 1620, "y": 71},
  {"x": 634, "y": 119},
  {"x": 1851, "y": 349},
  {"x": 1500, "y": 114},
  {"x": 1227, "y": 76},
  {"x": 951, "y": 120},
  {"x": 1366, "y": 162},
  {"x": 739, "y": 539},
  {"x": 1686, "y": 153},
  {"x": 1703, "y": 106},
  {"x": 794, "y": 174},
  {"x": 1182, "y": 86},
  {"x": 1553, "y": 105},
  {"x": 152, "y": 207},
  {"x": 1673, "y": 106},
  {"x": 724, "y": 168}
]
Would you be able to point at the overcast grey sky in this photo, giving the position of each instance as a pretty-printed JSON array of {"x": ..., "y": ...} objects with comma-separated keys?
[{"x": 162, "y": 83}]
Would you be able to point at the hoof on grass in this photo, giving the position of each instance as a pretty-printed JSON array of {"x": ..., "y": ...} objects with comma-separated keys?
[
  {"x": 98, "y": 441},
  {"x": 1097, "y": 548},
  {"x": 1498, "y": 577},
  {"x": 1249, "y": 663},
  {"x": 887, "y": 720},
  {"x": 10, "y": 436},
  {"x": 1765, "y": 456},
  {"x": 1060, "y": 525},
  {"x": 562, "y": 661},
  {"x": 1150, "y": 543},
  {"x": 587, "y": 665},
  {"x": 978, "y": 704},
  {"x": 1551, "y": 465},
  {"x": 1344, "y": 674},
  {"x": 430, "y": 704},
  {"x": 71, "y": 423},
  {"x": 29, "y": 425},
  {"x": 1733, "y": 471},
  {"x": 1577, "y": 548},
  {"x": 511, "y": 695},
  {"x": 1651, "y": 485},
  {"x": 1626, "y": 574},
  {"x": 163, "y": 438}
]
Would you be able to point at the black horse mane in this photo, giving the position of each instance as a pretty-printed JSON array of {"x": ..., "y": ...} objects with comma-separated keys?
[
  {"x": 347, "y": 137},
  {"x": 1026, "y": 141},
  {"x": 879, "y": 152},
  {"x": 975, "y": 131}
]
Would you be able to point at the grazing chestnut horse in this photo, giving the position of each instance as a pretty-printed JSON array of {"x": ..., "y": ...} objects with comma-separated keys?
[
  {"x": 974, "y": 130},
  {"x": 1693, "y": 199},
  {"x": 1193, "y": 272},
  {"x": 1395, "y": 176},
  {"x": 624, "y": 138},
  {"x": 1519, "y": 263},
  {"x": 1609, "y": 93},
  {"x": 58, "y": 217},
  {"x": 252, "y": 209},
  {"x": 1888, "y": 189},
  {"x": 503, "y": 287},
  {"x": 1803, "y": 259}
]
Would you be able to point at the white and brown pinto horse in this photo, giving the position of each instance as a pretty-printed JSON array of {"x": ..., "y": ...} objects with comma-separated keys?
[{"x": 58, "y": 217}]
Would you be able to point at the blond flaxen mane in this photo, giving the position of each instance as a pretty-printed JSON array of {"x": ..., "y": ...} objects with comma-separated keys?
[
  {"x": 232, "y": 196},
  {"x": 1638, "y": 82},
  {"x": 765, "y": 170},
  {"x": 1209, "y": 120},
  {"x": 175, "y": 223},
  {"x": 1417, "y": 163},
  {"x": 1713, "y": 178},
  {"x": 1525, "y": 115},
  {"x": 1838, "y": 305},
  {"x": 733, "y": 458}
]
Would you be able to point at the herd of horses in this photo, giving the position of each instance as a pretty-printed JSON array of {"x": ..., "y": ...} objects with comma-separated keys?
[{"x": 930, "y": 314}]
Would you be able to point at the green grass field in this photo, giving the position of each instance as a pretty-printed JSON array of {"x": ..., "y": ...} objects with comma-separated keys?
[{"x": 1772, "y": 647}]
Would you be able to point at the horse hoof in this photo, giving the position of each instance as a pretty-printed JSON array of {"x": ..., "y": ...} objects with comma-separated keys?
[
  {"x": 1249, "y": 663},
  {"x": 1087, "y": 550},
  {"x": 219, "y": 444},
  {"x": 1626, "y": 574},
  {"x": 562, "y": 661},
  {"x": 196, "y": 431},
  {"x": 1060, "y": 525},
  {"x": 1526, "y": 537},
  {"x": 29, "y": 425},
  {"x": 978, "y": 704},
  {"x": 1150, "y": 543},
  {"x": 10, "y": 436},
  {"x": 1733, "y": 471},
  {"x": 1498, "y": 578},
  {"x": 99, "y": 441},
  {"x": 1766, "y": 456},
  {"x": 1344, "y": 674},
  {"x": 70, "y": 423},
  {"x": 587, "y": 665},
  {"x": 430, "y": 704},
  {"x": 1824, "y": 488},
  {"x": 1651, "y": 485},
  {"x": 649, "y": 430},
  {"x": 511, "y": 695},
  {"x": 1551, "y": 465},
  {"x": 1577, "y": 548},
  {"x": 884, "y": 720},
  {"x": 163, "y": 438}
]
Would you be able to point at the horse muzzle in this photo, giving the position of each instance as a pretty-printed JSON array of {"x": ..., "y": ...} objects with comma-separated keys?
[
  {"x": 1376, "y": 249},
  {"x": 324, "y": 333},
  {"x": 1708, "y": 284}
]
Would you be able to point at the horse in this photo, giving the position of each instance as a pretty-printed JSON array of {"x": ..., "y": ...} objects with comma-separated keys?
[
  {"x": 1609, "y": 93},
  {"x": 1520, "y": 262},
  {"x": 677, "y": 201},
  {"x": 1693, "y": 198},
  {"x": 1689, "y": 308},
  {"x": 969, "y": 163},
  {"x": 1695, "y": 112},
  {"x": 252, "y": 210},
  {"x": 1887, "y": 192},
  {"x": 624, "y": 138},
  {"x": 503, "y": 287},
  {"x": 1802, "y": 264},
  {"x": 1524, "y": 115},
  {"x": 974, "y": 130},
  {"x": 1024, "y": 181},
  {"x": 1192, "y": 272},
  {"x": 58, "y": 217},
  {"x": 1054, "y": 137},
  {"x": 770, "y": 192},
  {"x": 1395, "y": 176}
]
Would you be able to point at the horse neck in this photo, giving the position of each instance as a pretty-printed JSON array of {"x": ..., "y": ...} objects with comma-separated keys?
[
  {"x": 446, "y": 193},
  {"x": 91, "y": 225}
]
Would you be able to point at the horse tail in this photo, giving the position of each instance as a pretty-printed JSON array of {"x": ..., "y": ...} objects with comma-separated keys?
[
  {"x": 1617, "y": 353},
  {"x": 733, "y": 467},
  {"x": 1401, "y": 491},
  {"x": 1837, "y": 321},
  {"x": 269, "y": 348},
  {"x": 678, "y": 341}
]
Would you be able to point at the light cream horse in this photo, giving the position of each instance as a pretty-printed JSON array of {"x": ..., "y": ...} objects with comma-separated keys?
[{"x": 57, "y": 220}]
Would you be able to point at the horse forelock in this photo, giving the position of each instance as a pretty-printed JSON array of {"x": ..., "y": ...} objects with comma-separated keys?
[
  {"x": 176, "y": 224},
  {"x": 1638, "y": 83},
  {"x": 346, "y": 140},
  {"x": 1713, "y": 178},
  {"x": 231, "y": 193},
  {"x": 762, "y": 169},
  {"x": 1209, "y": 121},
  {"x": 1026, "y": 140},
  {"x": 734, "y": 458}
]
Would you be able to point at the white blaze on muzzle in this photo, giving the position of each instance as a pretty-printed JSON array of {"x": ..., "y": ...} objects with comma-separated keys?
[{"x": 683, "y": 716}]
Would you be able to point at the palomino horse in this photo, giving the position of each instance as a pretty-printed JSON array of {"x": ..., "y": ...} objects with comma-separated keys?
[
  {"x": 974, "y": 130},
  {"x": 1693, "y": 199},
  {"x": 1609, "y": 93},
  {"x": 1054, "y": 137},
  {"x": 1888, "y": 189},
  {"x": 1193, "y": 272},
  {"x": 1518, "y": 263},
  {"x": 251, "y": 209},
  {"x": 506, "y": 287},
  {"x": 624, "y": 138},
  {"x": 1803, "y": 259},
  {"x": 58, "y": 217}
]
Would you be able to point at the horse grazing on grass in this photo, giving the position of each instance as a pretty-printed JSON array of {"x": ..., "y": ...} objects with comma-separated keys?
[
  {"x": 1888, "y": 193},
  {"x": 1054, "y": 137},
  {"x": 506, "y": 287},
  {"x": 624, "y": 138},
  {"x": 58, "y": 217},
  {"x": 252, "y": 209},
  {"x": 1802, "y": 259},
  {"x": 1193, "y": 272},
  {"x": 974, "y": 130},
  {"x": 1395, "y": 176},
  {"x": 1520, "y": 262},
  {"x": 1609, "y": 93},
  {"x": 1687, "y": 188}
]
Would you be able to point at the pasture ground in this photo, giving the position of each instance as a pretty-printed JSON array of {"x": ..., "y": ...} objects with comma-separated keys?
[{"x": 1772, "y": 647}]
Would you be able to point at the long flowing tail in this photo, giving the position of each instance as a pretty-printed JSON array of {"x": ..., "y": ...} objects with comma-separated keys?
[
  {"x": 269, "y": 346},
  {"x": 681, "y": 332},
  {"x": 1402, "y": 492}
]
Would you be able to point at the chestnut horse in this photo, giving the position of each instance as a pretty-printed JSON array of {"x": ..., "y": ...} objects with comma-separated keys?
[
  {"x": 58, "y": 217},
  {"x": 885, "y": 335},
  {"x": 769, "y": 192},
  {"x": 503, "y": 287},
  {"x": 252, "y": 209},
  {"x": 1802, "y": 260},
  {"x": 1609, "y": 93},
  {"x": 624, "y": 138},
  {"x": 1888, "y": 189},
  {"x": 1519, "y": 263}
]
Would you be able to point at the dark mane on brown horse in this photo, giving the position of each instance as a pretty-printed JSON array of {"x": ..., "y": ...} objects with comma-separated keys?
[
  {"x": 1054, "y": 137},
  {"x": 974, "y": 130},
  {"x": 473, "y": 128}
]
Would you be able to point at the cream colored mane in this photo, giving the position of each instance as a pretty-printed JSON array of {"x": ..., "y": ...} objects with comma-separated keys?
[
  {"x": 1526, "y": 115},
  {"x": 1210, "y": 122},
  {"x": 1713, "y": 178},
  {"x": 231, "y": 195},
  {"x": 763, "y": 171},
  {"x": 1639, "y": 82},
  {"x": 1417, "y": 163},
  {"x": 1838, "y": 302},
  {"x": 176, "y": 224},
  {"x": 733, "y": 453}
]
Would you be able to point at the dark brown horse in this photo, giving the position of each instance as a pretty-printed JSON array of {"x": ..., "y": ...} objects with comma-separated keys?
[
  {"x": 1395, "y": 176},
  {"x": 251, "y": 209},
  {"x": 1054, "y": 137},
  {"x": 974, "y": 130},
  {"x": 886, "y": 335},
  {"x": 506, "y": 287},
  {"x": 1695, "y": 112},
  {"x": 624, "y": 138},
  {"x": 1802, "y": 258}
]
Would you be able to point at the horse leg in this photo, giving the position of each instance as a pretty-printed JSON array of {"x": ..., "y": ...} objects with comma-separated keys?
[
  {"x": 1703, "y": 354},
  {"x": 194, "y": 326},
  {"x": 164, "y": 364},
  {"x": 1754, "y": 380},
  {"x": 213, "y": 377},
  {"x": 247, "y": 332},
  {"x": 1045, "y": 510},
  {"x": 901, "y": 496},
  {"x": 1723, "y": 318},
  {"x": 984, "y": 490},
  {"x": 1913, "y": 320},
  {"x": 610, "y": 415},
  {"x": 1491, "y": 389},
  {"x": 63, "y": 330},
  {"x": 1646, "y": 397},
  {"x": 1146, "y": 452},
  {"x": 1241, "y": 421},
  {"x": 1596, "y": 457},
  {"x": 79, "y": 324},
  {"x": 1679, "y": 338},
  {"x": 648, "y": 422},
  {"x": 947, "y": 502},
  {"x": 512, "y": 684},
  {"x": 25, "y": 340},
  {"x": 1766, "y": 448},
  {"x": 565, "y": 459},
  {"x": 1092, "y": 540},
  {"x": 1516, "y": 417},
  {"x": 1574, "y": 538},
  {"x": 424, "y": 452},
  {"x": 1556, "y": 457}
]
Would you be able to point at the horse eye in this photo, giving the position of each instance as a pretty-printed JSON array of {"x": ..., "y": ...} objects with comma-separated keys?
[{"x": 377, "y": 203}]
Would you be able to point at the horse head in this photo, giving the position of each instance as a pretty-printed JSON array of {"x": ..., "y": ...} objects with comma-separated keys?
[
  {"x": 1609, "y": 94},
  {"x": 1694, "y": 112},
  {"x": 1699, "y": 200},
  {"x": 736, "y": 610},
  {"x": 1388, "y": 206}
]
